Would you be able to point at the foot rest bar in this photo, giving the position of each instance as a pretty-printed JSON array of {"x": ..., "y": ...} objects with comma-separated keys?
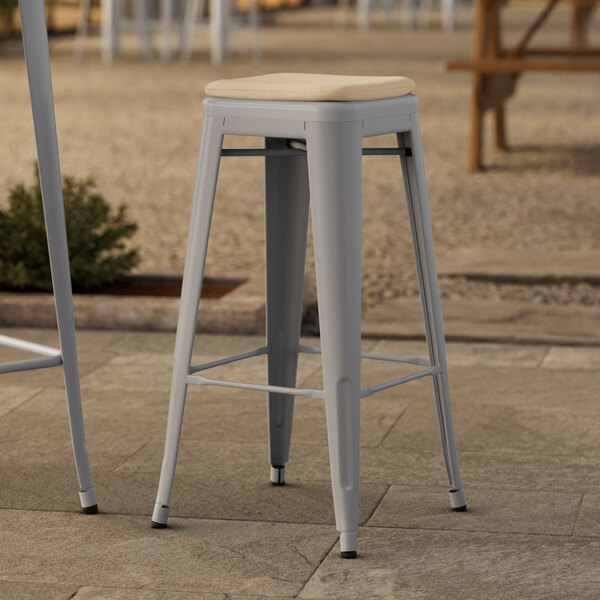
[
  {"x": 411, "y": 360},
  {"x": 307, "y": 393},
  {"x": 17, "y": 344},
  {"x": 373, "y": 389},
  {"x": 297, "y": 151},
  {"x": 51, "y": 356},
  {"x": 31, "y": 364},
  {"x": 229, "y": 359},
  {"x": 257, "y": 387}
]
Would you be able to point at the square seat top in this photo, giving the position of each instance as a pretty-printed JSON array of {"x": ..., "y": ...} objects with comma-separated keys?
[{"x": 310, "y": 87}]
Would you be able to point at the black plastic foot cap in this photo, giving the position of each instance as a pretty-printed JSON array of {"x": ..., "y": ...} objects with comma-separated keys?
[
  {"x": 156, "y": 525},
  {"x": 90, "y": 510},
  {"x": 462, "y": 508},
  {"x": 278, "y": 483},
  {"x": 348, "y": 554}
]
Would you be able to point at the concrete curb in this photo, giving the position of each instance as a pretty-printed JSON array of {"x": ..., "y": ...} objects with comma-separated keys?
[
  {"x": 241, "y": 311},
  {"x": 489, "y": 321}
]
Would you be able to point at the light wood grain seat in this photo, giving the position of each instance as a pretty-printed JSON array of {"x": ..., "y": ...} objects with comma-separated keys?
[{"x": 310, "y": 87}]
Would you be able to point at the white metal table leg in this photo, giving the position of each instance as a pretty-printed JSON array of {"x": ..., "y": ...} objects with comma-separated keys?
[
  {"x": 144, "y": 28},
  {"x": 410, "y": 8},
  {"x": 448, "y": 14},
  {"x": 111, "y": 43},
  {"x": 167, "y": 22},
  {"x": 415, "y": 186},
  {"x": 35, "y": 41},
  {"x": 82, "y": 28},
  {"x": 286, "y": 197},
  {"x": 195, "y": 258},
  {"x": 334, "y": 166},
  {"x": 424, "y": 13},
  {"x": 190, "y": 19},
  {"x": 219, "y": 30},
  {"x": 364, "y": 13},
  {"x": 254, "y": 22}
]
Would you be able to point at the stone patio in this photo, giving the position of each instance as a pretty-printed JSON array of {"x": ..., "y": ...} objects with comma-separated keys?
[{"x": 527, "y": 425}]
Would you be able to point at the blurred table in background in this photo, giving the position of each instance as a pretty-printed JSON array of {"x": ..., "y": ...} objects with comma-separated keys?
[
  {"x": 496, "y": 69},
  {"x": 416, "y": 13}
]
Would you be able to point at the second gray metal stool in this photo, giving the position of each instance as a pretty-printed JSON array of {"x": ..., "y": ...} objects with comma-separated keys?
[
  {"x": 35, "y": 42},
  {"x": 313, "y": 127}
]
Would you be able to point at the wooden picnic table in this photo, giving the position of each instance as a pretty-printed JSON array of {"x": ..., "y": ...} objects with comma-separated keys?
[{"x": 496, "y": 69}]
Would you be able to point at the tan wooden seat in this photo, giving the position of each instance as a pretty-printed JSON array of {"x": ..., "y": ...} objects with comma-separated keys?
[{"x": 310, "y": 87}]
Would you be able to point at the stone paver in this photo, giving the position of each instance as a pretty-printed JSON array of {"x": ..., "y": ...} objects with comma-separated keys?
[
  {"x": 504, "y": 469},
  {"x": 495, "y": 428},
  {"x": 527, "y": 434},
  {"x": 489, "y": 509},
  {"x": 471, "y": 354},
  {"x": 588, "y": 522},
  {"x": 196, "y": 555},
  {"x": 15, "y": 396},
  {"x": 108, "y": 593},
  {"x": 569, "y": 357},
  {"x": 489, "y": 321},
  {"x": 399, "y": 564},
  {"x": 33, "y": 590}
]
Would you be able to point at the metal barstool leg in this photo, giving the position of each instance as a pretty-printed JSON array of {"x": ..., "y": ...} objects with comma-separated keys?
[
  {"x": 211, "y": 140},
  {"x": 334, "y": 166},
  {"x": 286, "y": 197},
  {"x": 415, "y": 186},
  {"x": 35, "y": 41}
]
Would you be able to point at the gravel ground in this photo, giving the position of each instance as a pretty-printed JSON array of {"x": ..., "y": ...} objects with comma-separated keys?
[{"x": 134, "y": 125}]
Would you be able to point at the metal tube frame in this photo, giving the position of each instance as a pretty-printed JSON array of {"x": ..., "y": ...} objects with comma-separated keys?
[
  {"x": 307, "y": 392},
  {"x": 296, "y": 149},
  {"x": 51, "y": 357},
  {"x": 37, "y": 58}
]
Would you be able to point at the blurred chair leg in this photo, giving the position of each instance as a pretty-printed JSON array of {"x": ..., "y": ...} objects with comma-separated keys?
[
  {"x": 410, "y": 13},
  {"x": 364, "y": 14},
  {"x": 144, "y": 28},
  {"x": 111, "y": 36},
  {"x": 82, "y": 28},
  {"x": 254, "y": 21},
  {"x": 190, "y": 20},
  {"x": 448, "y": 8},
  {"x": 167, "y": 23}
]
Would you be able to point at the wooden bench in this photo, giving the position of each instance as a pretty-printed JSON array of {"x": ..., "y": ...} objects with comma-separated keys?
[{"x": 496, "y": 69}]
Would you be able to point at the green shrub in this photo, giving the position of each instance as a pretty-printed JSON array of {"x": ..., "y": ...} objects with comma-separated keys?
[{"x": 97, "y": 238}]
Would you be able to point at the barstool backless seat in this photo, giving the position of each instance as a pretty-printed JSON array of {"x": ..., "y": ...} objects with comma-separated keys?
[{"x": 313, "y": 127}]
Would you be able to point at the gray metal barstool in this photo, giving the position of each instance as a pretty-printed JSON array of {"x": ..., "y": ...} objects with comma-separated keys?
[
  {"x": 313, "y": 127},
  {"x": 35, "y": 42}
]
